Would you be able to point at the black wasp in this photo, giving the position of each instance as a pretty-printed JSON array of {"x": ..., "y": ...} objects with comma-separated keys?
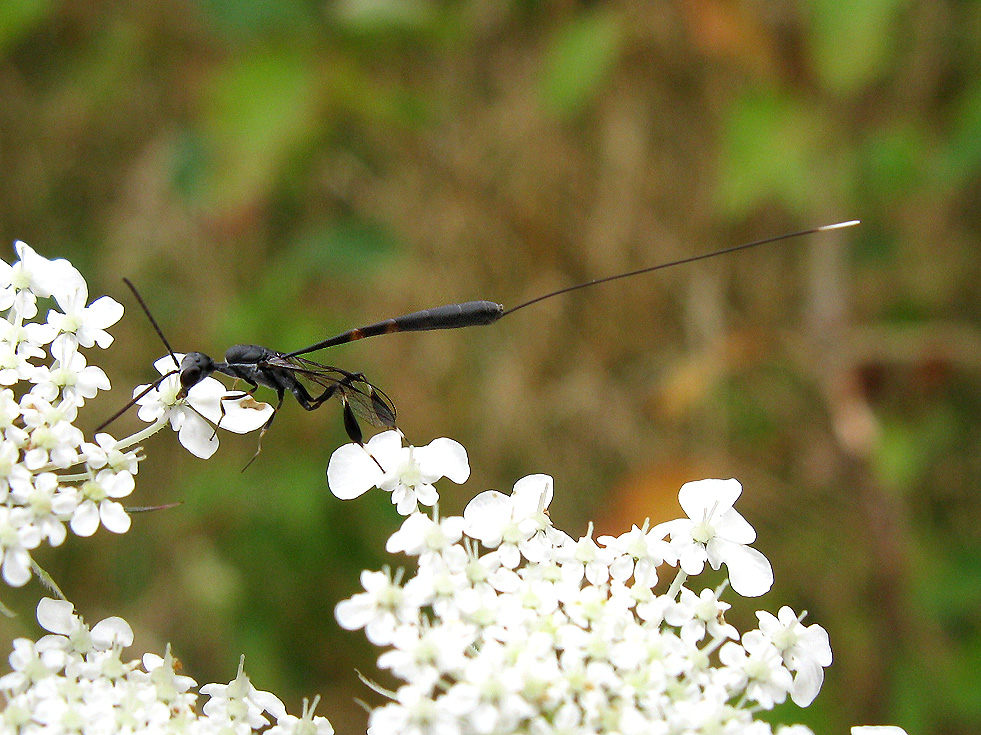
[{"x": 313, "y": 384}]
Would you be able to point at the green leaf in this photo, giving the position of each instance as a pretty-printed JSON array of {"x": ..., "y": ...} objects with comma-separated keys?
[
  {"x": 259, "y": 111},
  {"x": 351, "y": 247},
  {"x": 854, "y": 42},
  {"x": 769, "y": 152},
  {"x": 962, "y": 157},
  {"x": 578, "y": 61},
  {"x": 19, "y": 18}
]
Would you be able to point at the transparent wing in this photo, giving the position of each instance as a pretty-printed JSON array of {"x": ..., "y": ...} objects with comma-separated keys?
[{"x": 367, "y": 401}]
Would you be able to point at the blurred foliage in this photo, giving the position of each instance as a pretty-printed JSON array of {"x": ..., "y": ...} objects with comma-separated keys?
[{"x": 274, "y": 171}]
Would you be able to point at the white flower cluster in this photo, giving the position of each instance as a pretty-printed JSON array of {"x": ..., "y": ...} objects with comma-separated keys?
[
  {"x": 44, "y": 380},
  {"x": 50, "y": 475},
  {"x": 511, "y": 626},
  {"x": 75, "y": 680}
]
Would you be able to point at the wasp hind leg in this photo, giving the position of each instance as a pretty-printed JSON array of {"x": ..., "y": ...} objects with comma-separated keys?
[
  {"x": 351, "y": 426},
  {"x": 353, "y": 430}
]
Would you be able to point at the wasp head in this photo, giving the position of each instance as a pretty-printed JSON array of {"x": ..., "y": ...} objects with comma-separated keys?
[{"x": 195, "y": 367}]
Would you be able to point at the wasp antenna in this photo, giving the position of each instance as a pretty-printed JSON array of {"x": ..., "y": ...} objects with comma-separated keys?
[
  {"x": 146, "y": 310},
  {"x": 682, "y": 261},
  {"x": 839, "y": 225},
  {"x": 132, "y": 403}
]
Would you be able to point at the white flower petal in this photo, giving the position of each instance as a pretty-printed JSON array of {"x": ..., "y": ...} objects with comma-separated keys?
[
  {"x": 750, "y": 573},
  {"x": 732, "y": 526},
  {"x": 197, "y": 436},
  {"x": 104, "y": 312},
  {"x": 85, "y": 521},
  {"x": 112, "y": 631},
  {"x": 807, "y": 684},
  {"x": 485, "y": 517},
  {"x": 446, "y": 457},
  {"x": 386, "y": 447},
  {"x": 56, "y": 616},
  {"x": 351, "y": 471},
  {"x": 205, "y": 399},
  {"x": 244, "y": 414},
  {"x": 703, "y": 496},
  {"x": 114, "y": 517},
  {"x": 16, "y": 567},
  {"x": 530, "y": 494},
  {"x": 816, "y": 643}
]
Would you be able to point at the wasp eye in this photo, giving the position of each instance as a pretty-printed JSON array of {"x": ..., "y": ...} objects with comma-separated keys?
[{"x": 190, "y": 377}]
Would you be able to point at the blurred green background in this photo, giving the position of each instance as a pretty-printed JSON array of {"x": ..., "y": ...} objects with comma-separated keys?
[{"x": 276, "y": 171}]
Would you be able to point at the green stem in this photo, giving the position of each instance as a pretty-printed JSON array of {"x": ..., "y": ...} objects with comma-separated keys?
[
  {"x": 675, "y": 587},
  {"x": 47, "y": 580}
]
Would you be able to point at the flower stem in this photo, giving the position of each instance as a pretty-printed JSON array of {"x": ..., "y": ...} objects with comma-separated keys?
[
  {"x": 675, "y": 587},
  {"x": 142, "y": 435},
  {"x": 47, "y": 580}
]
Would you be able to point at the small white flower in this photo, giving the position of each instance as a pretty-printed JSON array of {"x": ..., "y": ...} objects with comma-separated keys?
[
  {"x": 33, "y": 276},
  {"x": 516, "y": 524},
  {"x": 57, "y": 278},
  {"x": 239, "y": 702},
  {"x": 170, "y": 687},
  {"x": 715, "y": 532},
  {"x": 86, "y": 324},
  {"x": 69, "y": 633},
  {"x": 697, "y": 614},
  {"x": 805, "y": 650},
  {"x": 98, "y": 503},
  {"x": 306, "y": 724},
  {"x": 105, "y": 453},
  {"x": 70, "y": 377},
  {"x": 758, "y": 668},
  {"x": 15, "y": 359},
  {"x": 43, "y": 496},
  {"x": 408, "y": 473},
  {"x": 74, "y": 680},
  {"x": 424, "y": 654},
  {"x": 379, "y": 609},
  {"x": 17, "y": 537},
  {"x": 420, "y": 534},
  {"x": 585, "y": 559},
  {"x": 30, "y": 665},
  {"x": 638, "y": 552},
  {"x": 877, "y": 730},
  {"x": 205, "y": 402}
]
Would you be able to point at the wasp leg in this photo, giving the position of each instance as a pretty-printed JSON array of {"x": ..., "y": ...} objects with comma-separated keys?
[
  {"x": 265, "y": 428},
  {"x": 351, "y": 426},
  {"x": 233, "y": 397}
]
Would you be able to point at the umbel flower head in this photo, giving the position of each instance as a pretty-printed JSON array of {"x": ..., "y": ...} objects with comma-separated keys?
[
  {"x": 75, "y": 679},
  {"x": 509, "y": 625},
  {"x": 50, "y": 476}
]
